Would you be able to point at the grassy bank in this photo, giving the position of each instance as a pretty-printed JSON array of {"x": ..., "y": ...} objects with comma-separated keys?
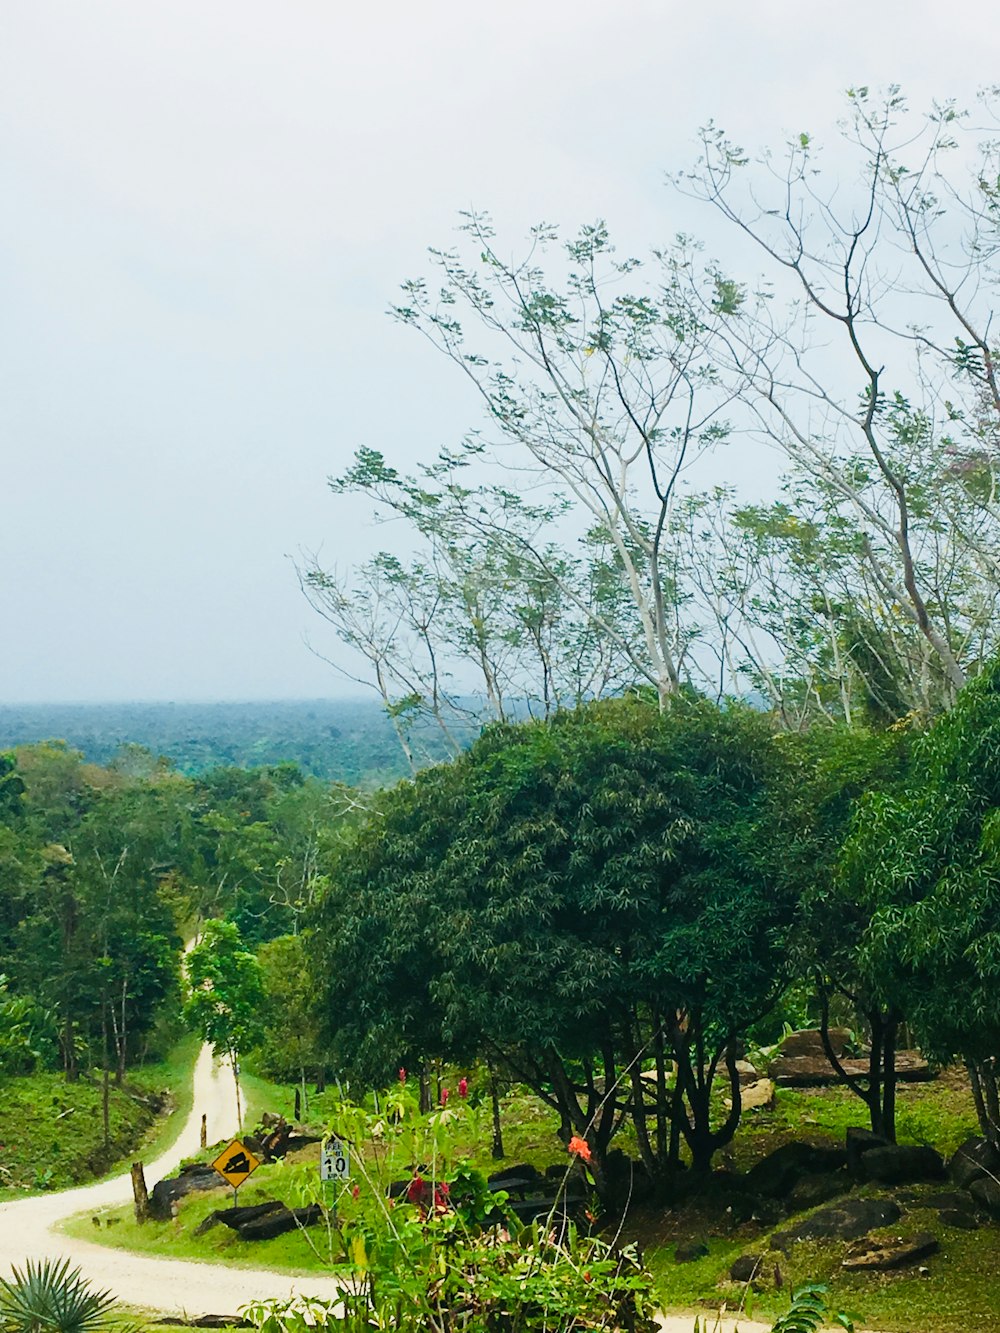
[
  {"x": 956, "y": 1290},
  {"x": 53, "y": 1131}
]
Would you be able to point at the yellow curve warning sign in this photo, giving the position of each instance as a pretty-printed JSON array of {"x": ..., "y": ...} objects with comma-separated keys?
[{"x": 236, "y": 1163}]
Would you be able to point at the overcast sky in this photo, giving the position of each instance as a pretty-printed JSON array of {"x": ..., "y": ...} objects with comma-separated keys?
[{"x": 207, "y": 206}]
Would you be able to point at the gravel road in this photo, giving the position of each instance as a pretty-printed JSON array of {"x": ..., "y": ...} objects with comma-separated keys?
[{"x": 29, "y": 1228}]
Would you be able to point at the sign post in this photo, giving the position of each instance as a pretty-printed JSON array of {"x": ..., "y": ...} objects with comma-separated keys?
[
  {"x": 334, "y": 1164},
  {"x": 235, "y": 1164}
]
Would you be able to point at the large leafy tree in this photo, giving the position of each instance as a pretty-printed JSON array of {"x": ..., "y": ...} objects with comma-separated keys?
[
  {"x": 589, "y": 899},
  {"x": 226, "y": 996},
  {"x": 925, "y": 858}
]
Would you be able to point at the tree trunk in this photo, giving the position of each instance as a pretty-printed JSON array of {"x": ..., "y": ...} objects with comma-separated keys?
[
  {"x": 497, "y": 1149},
  {"x": 139, "y": 1192}
]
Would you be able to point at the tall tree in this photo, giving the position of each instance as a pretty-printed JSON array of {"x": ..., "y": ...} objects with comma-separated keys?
[
  {"x": 225, "y": 996},
  {"x": 924, "y": 857},
  {"x": 876, "y": 377}
]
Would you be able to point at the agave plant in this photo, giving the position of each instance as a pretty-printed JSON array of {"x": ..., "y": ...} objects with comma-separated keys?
[{"x": 50, "y": 1297}]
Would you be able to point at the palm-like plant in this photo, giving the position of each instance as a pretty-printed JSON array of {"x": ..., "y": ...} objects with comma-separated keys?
[{"x": 50, "y": 1297}]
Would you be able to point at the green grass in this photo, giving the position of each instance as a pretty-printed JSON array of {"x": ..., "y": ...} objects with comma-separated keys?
[
  {"x": 53, "y": 1133},
  {"x": 960, "y": 1291}
]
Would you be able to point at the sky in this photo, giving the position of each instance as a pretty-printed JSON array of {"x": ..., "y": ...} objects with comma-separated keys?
[{"x": 206, "y": 207}]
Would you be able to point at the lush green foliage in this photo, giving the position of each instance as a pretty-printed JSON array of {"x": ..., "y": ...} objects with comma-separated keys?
[
  {"x": 924, "y": 857},
  {"x": 582, "y": 897}
]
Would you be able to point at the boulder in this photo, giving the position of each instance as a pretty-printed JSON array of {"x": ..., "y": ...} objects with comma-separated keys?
[
  {"x": 958, "y": 1217},
  {"x": 940, "y": 1199},
  {"x": 234, "y": 1218},
  {"x": 973, "y": 1160},
  {"x": 986, "y": 1192},
  {"x": 686, "y": 1254},
  {"x": 902, "y": 1164},
  {"x": 755, "y": 1095},
  {"x": 746, "y": 1267},
  {"x": 848, "y": 1220},
  {"x": 860, "y": 1141},
  {"x": 816, "y": 1071},
  {"x": 880, "y": 1256},
  {"x": 809, "y": 1042},
  {"x": 776, "y": 1175},
  {"x": 277, "y": 1221},
  {"x": 811, "y": 1191},
  {"x": 165, "y": 1193}
]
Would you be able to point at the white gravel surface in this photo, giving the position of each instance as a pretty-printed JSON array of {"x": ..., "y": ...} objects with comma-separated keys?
[{"x": 29, "y": 1228}]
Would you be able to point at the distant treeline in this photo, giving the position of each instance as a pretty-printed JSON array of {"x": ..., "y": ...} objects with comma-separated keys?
[{"x": 349, "y": 741}]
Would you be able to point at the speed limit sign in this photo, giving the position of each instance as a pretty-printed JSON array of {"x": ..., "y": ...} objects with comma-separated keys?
[{"x": 334, "y": 1161}]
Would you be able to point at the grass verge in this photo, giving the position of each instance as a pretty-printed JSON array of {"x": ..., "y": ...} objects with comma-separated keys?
[{"x": 53, "y": 1132}]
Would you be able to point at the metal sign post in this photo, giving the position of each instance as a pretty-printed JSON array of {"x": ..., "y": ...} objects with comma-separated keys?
[{"x": 334, "y": 1164}]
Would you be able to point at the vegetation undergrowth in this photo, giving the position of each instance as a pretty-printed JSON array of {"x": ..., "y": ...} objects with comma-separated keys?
[{"x": 940, "y": 1113}]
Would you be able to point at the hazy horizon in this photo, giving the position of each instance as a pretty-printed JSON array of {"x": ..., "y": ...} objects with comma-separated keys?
[{"x": 208, "y": 211}]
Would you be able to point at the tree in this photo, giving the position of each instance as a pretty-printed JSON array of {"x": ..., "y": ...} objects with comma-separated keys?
[
  {"x": 877, "y": 377},
  {"x": 290, "y": 1043},
  {"x": 586, "y": 899},
  {"x": 835, "y": 765},
  {"x": 225, "y": 995},
  {"x": 924, "y": 857}
]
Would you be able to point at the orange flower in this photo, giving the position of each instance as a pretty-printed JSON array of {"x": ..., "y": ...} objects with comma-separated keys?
[{"x": 579, "y": 1147}]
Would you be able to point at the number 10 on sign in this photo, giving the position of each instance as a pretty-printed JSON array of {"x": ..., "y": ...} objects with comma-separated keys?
[{"x": 335, "y": 1161}]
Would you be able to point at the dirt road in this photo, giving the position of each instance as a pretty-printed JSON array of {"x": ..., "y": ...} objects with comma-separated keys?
[{"x": 29, "y": 1229}]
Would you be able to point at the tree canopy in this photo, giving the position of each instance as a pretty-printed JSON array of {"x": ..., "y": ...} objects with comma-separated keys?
[{"x": 584, "y": 898}]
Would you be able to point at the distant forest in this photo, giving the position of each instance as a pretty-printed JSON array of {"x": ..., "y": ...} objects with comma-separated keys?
[{"x": 350, "y": 740}]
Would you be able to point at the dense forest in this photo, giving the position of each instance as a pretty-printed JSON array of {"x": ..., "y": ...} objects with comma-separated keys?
[{"x": 343, "y": 740}]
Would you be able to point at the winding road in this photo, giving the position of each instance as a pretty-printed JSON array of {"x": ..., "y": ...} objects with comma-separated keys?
[{"x": 178, "y": 1287}]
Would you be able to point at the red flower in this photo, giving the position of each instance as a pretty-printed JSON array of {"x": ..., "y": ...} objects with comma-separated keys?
[
  {"x": 444, "y": 1096},
  {"x": 355, "y": 1192},
  {"x": 402, "y": 1075},
  {"x": 463, "y": 1087},
  {"x": 579, "y": 1147}
]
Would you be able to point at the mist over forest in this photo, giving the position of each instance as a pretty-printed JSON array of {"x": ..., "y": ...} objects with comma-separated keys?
[{"x": 339, "y": 740}]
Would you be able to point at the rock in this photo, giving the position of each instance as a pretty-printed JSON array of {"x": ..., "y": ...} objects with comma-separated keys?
[
  {"x": 859, "y": 1142},
  {"x": 279, "y": 1220},
  {"x": 747, "y": 1073},
  {"x": 234, "y": 1218},
  {"x": 746, "y": 1267},
  {"x": 165, "y": 1193},
  {"x": 940, "y": 1199},
  {"x": 986, "y": 1191},
  {"x": 972, "y": 1161},
  {"x": 958, "y": 1217},
  {"x": 777, "y": 1174},
  {"x": 879, "y": 1256},
  {"x": 902, "y": 1164},
  {"x": 756, "y": 1095},
  {"x": 809, "y": 1042},
  {"x": 847, "y": 1220},
  {"x": 815, "y": 1071},
  {"x": 524, "y": 1171},
  {"x": 811, "y": 1191},
  {"x": 686, "y": 1254}
]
